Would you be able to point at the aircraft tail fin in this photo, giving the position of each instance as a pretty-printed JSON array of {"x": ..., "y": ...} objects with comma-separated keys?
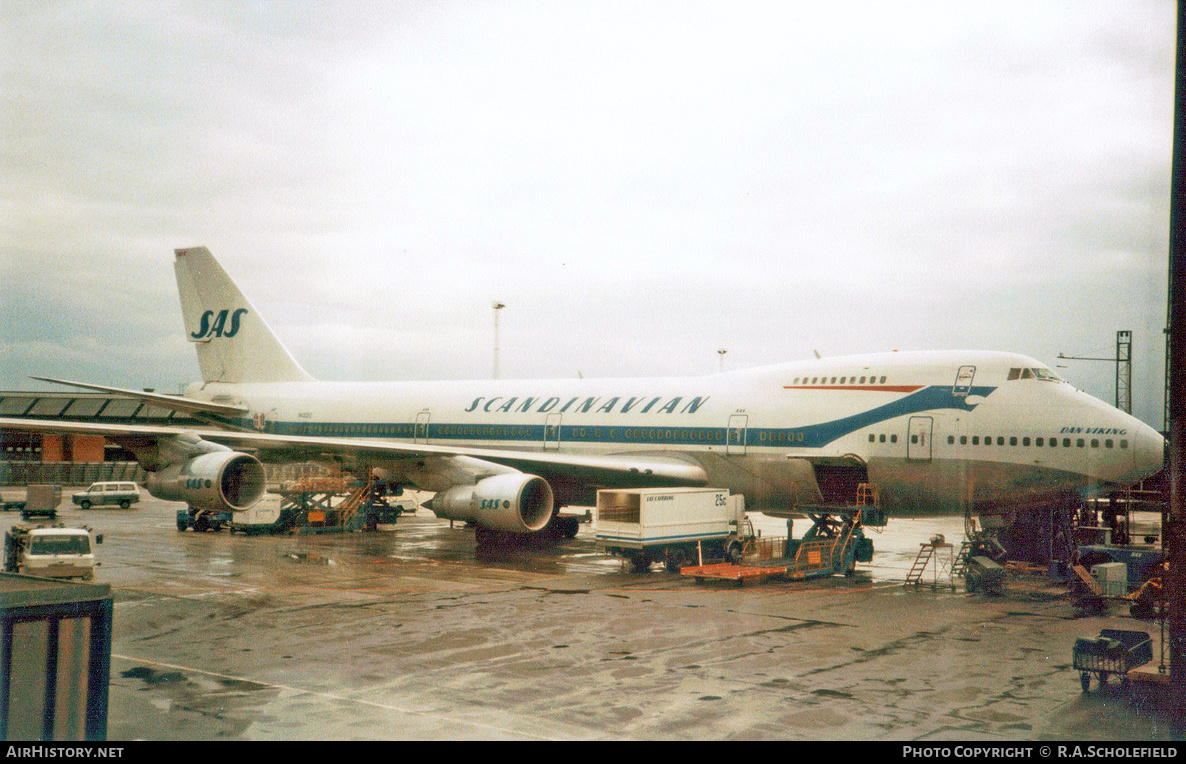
[{"x": 233, "y": 341}]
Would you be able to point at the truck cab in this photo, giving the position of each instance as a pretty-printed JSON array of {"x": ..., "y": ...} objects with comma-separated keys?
[{"x": 50, "y": 552}]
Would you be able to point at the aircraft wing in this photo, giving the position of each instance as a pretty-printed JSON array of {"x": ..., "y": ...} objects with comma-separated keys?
[
  {"x": 175, "y": 402},
  {"x": 613, "y": 471}
]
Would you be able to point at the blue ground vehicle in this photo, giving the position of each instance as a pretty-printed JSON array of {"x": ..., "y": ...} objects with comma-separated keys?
[{"x": 201, "y": 519}]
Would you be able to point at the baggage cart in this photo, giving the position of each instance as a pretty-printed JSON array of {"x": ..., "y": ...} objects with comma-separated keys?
[{"x": 1113, "y": 652}]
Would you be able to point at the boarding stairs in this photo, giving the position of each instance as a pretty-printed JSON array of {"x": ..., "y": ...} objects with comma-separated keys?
[{"x": 356, "y": 500}]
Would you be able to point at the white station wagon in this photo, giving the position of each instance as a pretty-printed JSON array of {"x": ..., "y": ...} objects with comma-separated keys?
[{"x": 122, "y": 493}]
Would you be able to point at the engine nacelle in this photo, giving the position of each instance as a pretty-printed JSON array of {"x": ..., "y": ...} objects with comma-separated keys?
[
  {"x": 512, "y": 502},
  {"x": 218, "y": 481}
]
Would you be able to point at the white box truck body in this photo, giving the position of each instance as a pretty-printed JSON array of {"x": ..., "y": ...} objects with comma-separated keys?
[{"x": 675, "y": 525}]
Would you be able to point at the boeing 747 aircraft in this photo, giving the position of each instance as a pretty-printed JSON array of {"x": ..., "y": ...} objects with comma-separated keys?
[{"x": 938, "y": 432}]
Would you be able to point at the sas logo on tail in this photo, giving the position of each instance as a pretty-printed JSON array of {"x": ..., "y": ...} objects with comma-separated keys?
[{"x": 215, "y": 324}]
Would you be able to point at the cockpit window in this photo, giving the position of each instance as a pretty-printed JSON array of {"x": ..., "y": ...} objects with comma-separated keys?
[{"x": 1043, "y": 374}]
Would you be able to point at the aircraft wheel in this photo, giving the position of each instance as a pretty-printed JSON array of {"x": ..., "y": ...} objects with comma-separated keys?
[
  {"x": 84, "y": 504},
  {"x": 125, "y": 504},
  {"x": 201, "y": 524},
  {"x": 1085, "y": 680}
]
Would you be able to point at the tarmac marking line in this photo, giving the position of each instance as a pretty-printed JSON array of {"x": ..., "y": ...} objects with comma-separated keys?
[{"x": 332, "y": 696}]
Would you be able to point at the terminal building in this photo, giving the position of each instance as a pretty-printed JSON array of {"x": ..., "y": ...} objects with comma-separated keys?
[{"x": 74, "y": 459}]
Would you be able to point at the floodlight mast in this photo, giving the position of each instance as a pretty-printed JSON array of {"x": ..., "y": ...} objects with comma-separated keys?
[{"x": 1123, "y": 360}]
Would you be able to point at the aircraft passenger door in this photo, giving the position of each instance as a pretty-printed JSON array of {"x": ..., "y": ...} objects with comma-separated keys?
[
  {"x": 735, "y": 434},
  {"x": 421, "y": 431},
  {"x": 552, "y": 432},
  {"x": 918, "y": 438}
]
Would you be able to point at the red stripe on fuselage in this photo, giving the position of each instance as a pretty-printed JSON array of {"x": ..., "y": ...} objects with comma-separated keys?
[{"x": 867, "y": 388}]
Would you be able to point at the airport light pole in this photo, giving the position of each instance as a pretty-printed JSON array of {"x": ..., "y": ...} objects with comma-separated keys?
[
  {"x": 722, "y": 352},
  {"x": 497, "y": 307}
]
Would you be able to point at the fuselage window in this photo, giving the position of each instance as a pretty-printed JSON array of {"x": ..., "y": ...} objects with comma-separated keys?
[
  {"x": 1124, "y": 444},
  {"x": 1095, "y": 443},
  {"x": 883, "y": 380},
  {"x": 950, "y": 440},
  {"x": 862, "y": 380},
  {"x": 893, "y": 439},
  {"x": 872, "y": 437},
  {"x": 1108, "y": 443},
  {"x": 881, "y": 438},
  {"x": 963, "y": 440},
  {"x": 1040, "y": 442},
  {"x": 1027, "y": 373},
  {"x": 1013, "y": 441},
  {"x": 1079, "y": 443},
  {"x": 1066, "y": 442}
]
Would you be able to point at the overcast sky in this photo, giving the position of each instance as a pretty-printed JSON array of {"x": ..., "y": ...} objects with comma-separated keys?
[{"x": 641, "y": 183}]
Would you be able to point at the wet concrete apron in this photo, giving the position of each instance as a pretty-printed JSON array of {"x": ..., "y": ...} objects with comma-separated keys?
[{"x": 410, "y": 635}]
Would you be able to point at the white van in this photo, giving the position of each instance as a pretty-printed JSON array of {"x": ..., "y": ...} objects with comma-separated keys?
[{"x": 122, "y": 493}]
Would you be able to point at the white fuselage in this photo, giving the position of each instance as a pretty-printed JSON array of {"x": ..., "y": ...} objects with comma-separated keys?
[{"x": 934, "y": 430}]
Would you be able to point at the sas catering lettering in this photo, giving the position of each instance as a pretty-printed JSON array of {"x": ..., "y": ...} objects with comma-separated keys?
[
  {"x": 584, "y": 405},
  {"x": 215, "y": 324}
]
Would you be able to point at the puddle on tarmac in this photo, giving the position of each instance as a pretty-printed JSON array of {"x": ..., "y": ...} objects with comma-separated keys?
[{"x": 308, "y": 558}]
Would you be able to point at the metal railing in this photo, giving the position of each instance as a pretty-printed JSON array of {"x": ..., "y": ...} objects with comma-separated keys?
[{"x": 68, "y": 473}]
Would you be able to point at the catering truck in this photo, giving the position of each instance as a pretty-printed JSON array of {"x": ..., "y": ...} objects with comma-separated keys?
[
  {"x": 675, "y": 526},
  {"x": 50, "y": 551}
]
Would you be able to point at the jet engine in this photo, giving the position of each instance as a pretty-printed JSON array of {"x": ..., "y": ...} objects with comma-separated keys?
[
  {"x": 219, "y": 481},
  {"x": 511, "y": 502}
]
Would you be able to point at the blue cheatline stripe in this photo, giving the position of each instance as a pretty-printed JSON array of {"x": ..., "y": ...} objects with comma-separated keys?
[{"x": 938, "y": 398}]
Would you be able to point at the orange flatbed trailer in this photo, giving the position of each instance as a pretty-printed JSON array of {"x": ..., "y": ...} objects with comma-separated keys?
[{"x": 739, "y": 574}]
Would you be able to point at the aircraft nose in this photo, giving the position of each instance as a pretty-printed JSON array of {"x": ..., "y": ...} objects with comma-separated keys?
[{"x": 1148, "y": 452}]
